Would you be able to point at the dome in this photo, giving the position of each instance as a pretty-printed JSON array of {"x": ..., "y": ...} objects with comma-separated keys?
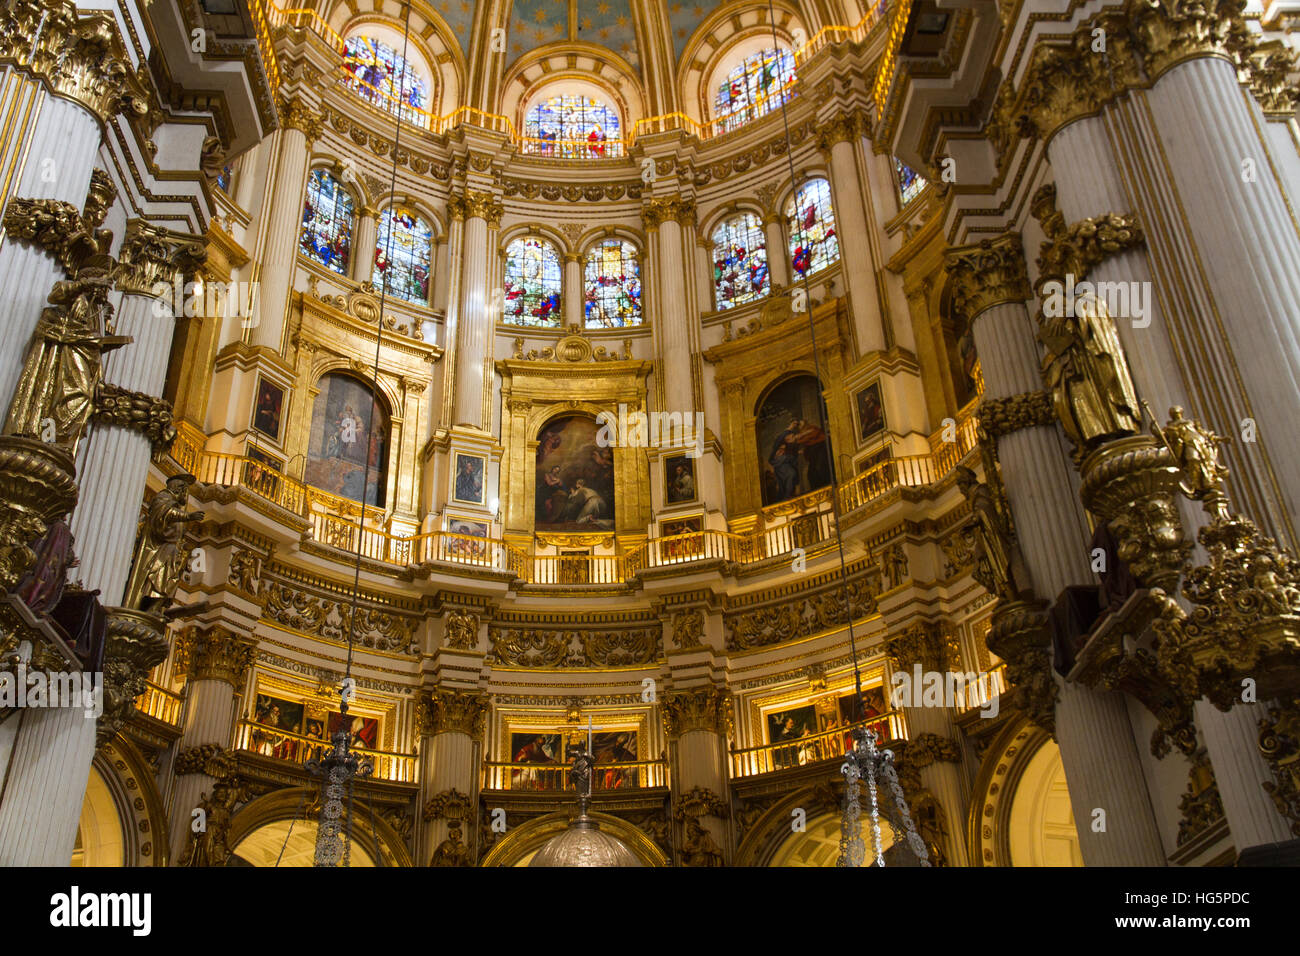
[{"x": 584, "y": 844}]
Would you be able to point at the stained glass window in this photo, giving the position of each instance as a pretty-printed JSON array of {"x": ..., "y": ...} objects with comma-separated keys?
[
  {"x": 811, "y": 221},
  {"x": 402, "y": 255},
  {"x": 612, "y": 285},
  {"x": 378, "y": 73},
  {"x": 327, "y": 222},
  {"x": 532, "y": 283},
  {"x": 910, "y": 182},
  {"x": 756, "y": 85},
  {"x": 739, "y": 261},
  {"x": 572, "y": 127},
  {"x": 226, "y": 178}
]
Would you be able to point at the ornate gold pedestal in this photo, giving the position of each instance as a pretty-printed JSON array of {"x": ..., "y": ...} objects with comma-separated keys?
[
  {"x": 136, "y": 642},
  {"x": 1022, "y": 636},
  {"x": 37, "y": 487}
]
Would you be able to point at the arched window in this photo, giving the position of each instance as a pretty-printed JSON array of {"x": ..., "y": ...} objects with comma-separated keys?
[
  {"x": 910, "y": 182},
  {"x": 327, "y": 222},
  {"x": 759, "y": 83},
  {"x": 739, "y": 261},
  {"x": 378, "y": 73},
  {"x": 226, "y": 179},
  {"x": 572, "y": 127},
  {"x": 612, "y": 285},
  {"x": 344, "y": 432},
  {"x": 811, "y": 221},
  {"x": 532, "y": 283},
  {"x": 402, "y": 255}
]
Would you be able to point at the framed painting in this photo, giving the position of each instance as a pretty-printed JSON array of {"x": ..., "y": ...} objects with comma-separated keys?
[
  {"x": 274, "y": 714},
  {"x": 684, "y": 538},
  {"x": 871, "y": 411},
  {"x": 874, "y": 706},
  {"x": 574, "y": 478},
  {"x": 785, "y": 726},
  {"x": 268, "y": 408},
  {"x": 534, "y": 751},
  {"x": 262, "y": 472},
  {"x": 867, "y": 462},
  {"x": 462, "y": 547},
  {"x": 467, "y": 485},
  {"x": 679, "y": 479},
  {"x": 363, "y": 732},
  {"x": 348, "y": 440},
  {"x": 611, "y": 747},
  {"x": 794, "y": 450}
]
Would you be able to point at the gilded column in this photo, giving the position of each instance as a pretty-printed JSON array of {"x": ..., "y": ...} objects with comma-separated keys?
[
  {"x": 1093, "y": 730},
  {"x": 215, "y": 663},
  {"x": 664, "y": 220},
  {"x": 451, "y": 725},
  {"x": 479, "y": 212},
  {"x": 697, "y": 724},
  {"x": 363, "y": 250},
  {"x": 932, "y": 749},
  {"x": 300, "y": 126},
  {"x": 131, "y": 420}
]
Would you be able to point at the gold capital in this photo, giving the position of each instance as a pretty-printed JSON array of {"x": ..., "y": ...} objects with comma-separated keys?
[
  {"x": 708, "y": 709},
  {"x": 989, "y": 273},
  {"x": 296, "y": 114},
  {"x": 152, "y": 259},
  {"x": 452, "y": 712},
  {"x": 216, "y": 654}
]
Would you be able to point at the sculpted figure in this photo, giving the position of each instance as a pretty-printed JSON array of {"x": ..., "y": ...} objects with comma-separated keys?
[
  {"x": 995, "y": 542},
  {"x": 1195, "y": 450},
  {"x": 159, "y": 558}
]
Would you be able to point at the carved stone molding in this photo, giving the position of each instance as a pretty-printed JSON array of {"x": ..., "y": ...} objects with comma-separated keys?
[
  {"x": 150, "y": 416},
  {"x": 991, "y": 272},
  {"x": 541, "y": 647},
  {"x": 215, "y": 654},
  {"x": 331, "y": 619},
  {"x": 135, "y": 642},
  {"x": 688, "y": 629},
  {"x": 1079, "y": 248},
  {"x": 803, "y": 615},
  {"x": 461, "y": 628},
  {"x": 450, "y": 805},
  {"x": 57, "y": 227},
  {"x": 1002, "y": 416},
  {"x": 926, "y": 643},
  {"x": 196, "y": 759},
  {"x": 927, "y": 749},
  {"x": 452, "y": 712},
  {"x": 37, "y": 488},
  {"x": 841, "y": 128},
  {"x": 152, "y": 260},
  {"x": 245, "y": 573},
  {"x": 668, "y": 209},
  {"x": 476, "y": 204},
  {"x": 707, "y": 709},
  {"x": 1021, "y": 635}
]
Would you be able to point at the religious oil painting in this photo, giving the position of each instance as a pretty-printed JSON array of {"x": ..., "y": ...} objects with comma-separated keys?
[
  {"x": 463, "y": 545},
  {"x": 871, "y": 411},
  {"x": 681, "y": 538},
  {"x": 268, "y": 408},
  {"x": 363, "y": 732},
  {"x": 793, "y": 448},
  {"x": 346, "y": 435},
  {"x": 262, "y": 472},
  {"x": 276, "y": 714},
  {"x": 867, "y": 462},
  {"x": 610, "y": 747},
  {"x": 467, "y": 486},
  {"x": 574, "y": 478},
  {"x": 679, "y": 479},
  {"x": 873, "y": 705},
  {"x": 536, "y": 750},
  {"x": 784, "y": 726}
]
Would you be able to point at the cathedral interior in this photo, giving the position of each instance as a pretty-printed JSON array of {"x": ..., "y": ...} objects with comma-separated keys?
[{"x": 698, "y": 433}]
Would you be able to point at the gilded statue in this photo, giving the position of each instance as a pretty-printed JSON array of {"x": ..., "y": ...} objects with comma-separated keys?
[
  {"x": 160, "y": 560},
  {"x": 1000, "y": 567},
  {"x": 55, "y": 397},
  {"x": 1088, "y": 376},
  {"x": 451, "y": 851},
  {"x": 462, "y": 630},
  {"x": 698, "y": 846},
  {"x": 1196, "y": 454},
  {"x": 208, "y": 848}
]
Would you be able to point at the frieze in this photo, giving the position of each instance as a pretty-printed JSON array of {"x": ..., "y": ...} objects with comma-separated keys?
[
  {"x": 331, "y": 620},
  {"x": 802, "y": 616},
  {"x": 534, "y": 647}
]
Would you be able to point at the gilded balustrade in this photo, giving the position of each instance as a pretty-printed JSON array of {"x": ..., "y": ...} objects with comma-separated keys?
[
  {"x": 831, "y": 744},
  {"x": 298, "y": 748},
  {"x": 614, "y": 775}
]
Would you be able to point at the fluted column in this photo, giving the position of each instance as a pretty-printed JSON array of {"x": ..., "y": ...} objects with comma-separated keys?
[
  {"x": 778, "y": 254},
  {"x": 215, "y": 663},
  {"x": 696, "y": 722},
  {"x": 932, "y": 736},
  {"x": 299, "y": 128},
  {"x": 836, "y": 139},
  {"x": 1093, "y": 730},
  {"x": 451, "y": 725},
  {"x": 573, "y": 293},
  {"x": 704, "y": 267},
  {"x": 363, "y": 250},
  {"x": 664, "y": 220},
  {"x": 478, "y": 211},
  {"x": 115, "y": 459}
]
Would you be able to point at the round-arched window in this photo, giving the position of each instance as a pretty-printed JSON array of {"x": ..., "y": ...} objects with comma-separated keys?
[
  {"x": 740, "y": 272},
  {"x": 380, "y": 75},
  {"x": 755, "y": 86},
  {"x": 811, "y": 223},
  {"x": 402, "y": 255},
  {"x": 326, "y": 234},
  {"x": 570, "y": 126},
  {"x": 612, "y": 285},
  {"x": 532, "y": 283}
]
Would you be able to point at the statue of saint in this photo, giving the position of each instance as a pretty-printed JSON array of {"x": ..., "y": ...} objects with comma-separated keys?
[
  {"x": 159, "y": 558},
  {"x": 55, "y": 396},
  {"x": 995, "y": 543},
  {"x": 1195, "y": 451},
  {"x": 1088, "y": 376},
  {"x": 451, "y": 851}
]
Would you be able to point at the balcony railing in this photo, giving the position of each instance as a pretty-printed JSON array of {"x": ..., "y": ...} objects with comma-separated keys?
[
  {"x": 160, "y": 704},
  {"x": 299, "y": 748},
  {"x": 989, "y": 685},
  {"x": 625, "y": 775},
  {"x": 830, "y": 744}
]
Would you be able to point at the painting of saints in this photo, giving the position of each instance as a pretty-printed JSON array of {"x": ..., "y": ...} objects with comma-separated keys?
[
  {"x": 574, "y": 478},
  {"x": 349, "y": 432},
  {"x": 793, "y": 446}
]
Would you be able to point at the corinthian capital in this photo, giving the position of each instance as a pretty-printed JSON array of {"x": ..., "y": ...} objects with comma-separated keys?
[
  {"x": 927, "y": 644},
  {"x": 216, "y": 654},
  {"x": 152, "y": 257},
  {"x": 452, "y": 712},
  {"x": 840, "y": 128},
  {"x": 706, "y": 709},
  {"x": 989, "y": 273},
  {"x": 296, "y": 114},
  {"x": 1168, "y": 32},
  {"x": 668, "y": 209}
]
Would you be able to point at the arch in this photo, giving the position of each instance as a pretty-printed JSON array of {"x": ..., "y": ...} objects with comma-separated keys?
[
  {"x": 576, "y": 67},
  {"x": 769, "y": 832},
  {"x": 811, "y": 238},
  {"x": 122, "y": 820},
  {"x": 403, "y": 255},
  {"x": 522, "y": 842},
  {"x": 533, "y": 282},
  {"x": 794, "y": 450},
  {"x": 740, "y": 267},
  {"x": 370, "y": 832},
  {"x": 388, "y": 71},
  {"x": 574, "y": 481},
  {"x": 344, "y": 434},
  {"x": 328, "y": 220},
  {"x": 611, "y": 284}
]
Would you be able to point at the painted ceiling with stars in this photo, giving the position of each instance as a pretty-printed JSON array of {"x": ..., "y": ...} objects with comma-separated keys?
[{"x": 608, "y": 23}]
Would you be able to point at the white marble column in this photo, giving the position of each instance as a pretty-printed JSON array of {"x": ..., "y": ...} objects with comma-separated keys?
[
  {"x": 450, "y": 754},
  {"x": 573, "y": 293},
  {"x": 778, "y": 253},
  {"x": 64, "y": 142},
  {"x": 664, "y": 221},
  {"x": 704, "y": 268},
  {"x": 695, "y": 724},
  {"x": 299, "y": 128},
  {"x": 473, "y": 324},
  {"x": 851, "y": 228},
  {"x": 363, "y": 249}
]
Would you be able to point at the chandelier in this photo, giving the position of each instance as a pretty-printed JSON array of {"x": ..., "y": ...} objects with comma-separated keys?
[
  {"x": 337, "y": 770},
  {"x": 876, "y": 765}
]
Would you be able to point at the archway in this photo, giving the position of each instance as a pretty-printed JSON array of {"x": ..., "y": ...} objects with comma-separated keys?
[
  {"x": 521, "y": 843},
  {"x": 261, "y": 828}
]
